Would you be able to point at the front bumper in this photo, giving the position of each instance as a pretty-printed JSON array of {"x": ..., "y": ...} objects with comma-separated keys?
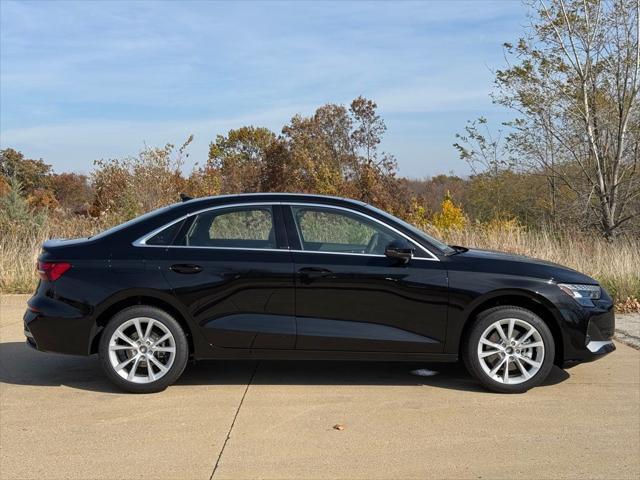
[
  {"x": 588, "y": 331},
  {"x": 596, "y": 349},
  {"x": 601, "y": 347}
]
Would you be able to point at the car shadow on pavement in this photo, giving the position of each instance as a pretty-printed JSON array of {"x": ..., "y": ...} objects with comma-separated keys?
[{"x": 21, "y": 365}]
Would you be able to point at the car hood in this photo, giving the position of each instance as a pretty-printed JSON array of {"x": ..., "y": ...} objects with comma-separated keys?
[{"x": 490, "y": 260}]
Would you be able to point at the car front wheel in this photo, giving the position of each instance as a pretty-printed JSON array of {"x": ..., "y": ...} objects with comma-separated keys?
[
  {"x": 143, "y": 349},
  {"x": 509, "y": 349}
]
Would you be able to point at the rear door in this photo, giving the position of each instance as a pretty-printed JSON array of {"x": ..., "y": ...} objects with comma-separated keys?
[
  {"x": 350, "y": 296},
  {"x": 231, "y": 268}
]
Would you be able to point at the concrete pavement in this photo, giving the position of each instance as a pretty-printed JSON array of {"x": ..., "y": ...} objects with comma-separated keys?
[
  {"x": 628, "y": 329},
  {"x": 60, "y": 418}
]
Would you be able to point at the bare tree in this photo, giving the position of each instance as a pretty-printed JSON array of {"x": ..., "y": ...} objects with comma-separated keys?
[{"x": 575, "y": 86}]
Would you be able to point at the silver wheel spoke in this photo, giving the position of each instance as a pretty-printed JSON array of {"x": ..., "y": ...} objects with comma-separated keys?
[
  {"x": 497, "y": 367},
  {"x": 121, "y": 347},
  {"x": 120, "y": 366},
  {"x": 500, "y": 331},
  {"x": 522, "y": 369},
  {"x": 527, "y": 335},
  {"x": 165, "y": 349},
  {"x": 161, "y": 339},
  {"x": 489, "y": 343},
  {"x": 132, "y": 372},
  {"x": 505, "y": 375},
  {"x": 136, "y": 322},
  {"x": 122, "y": 336},
  {"x": 512, "y": 322},
  {"x": 533, "y": 363},
  {"x": 148, "y": 330},
  {"x": 488, "y": 353},
  {"x": 532, "y": 344},
  {"x": 150, "y": 374},
  {"x": 157, "y": 363}
]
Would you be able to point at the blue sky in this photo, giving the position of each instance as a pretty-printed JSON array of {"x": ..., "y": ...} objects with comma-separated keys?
[{"x": 86, "y": 80}]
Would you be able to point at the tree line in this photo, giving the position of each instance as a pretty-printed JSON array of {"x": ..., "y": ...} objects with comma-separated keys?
[{"x": 569, "y": 158}]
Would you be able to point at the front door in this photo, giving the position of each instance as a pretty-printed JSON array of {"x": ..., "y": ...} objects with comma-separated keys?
[
  {"x": 230, "y": 267},
  {"x": 350, "y": 296}
]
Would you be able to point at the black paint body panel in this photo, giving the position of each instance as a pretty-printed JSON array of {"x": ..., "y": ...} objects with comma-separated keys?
[{"x": 258, "y": 304}]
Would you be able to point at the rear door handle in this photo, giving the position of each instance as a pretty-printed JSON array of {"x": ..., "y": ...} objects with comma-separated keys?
[
  {"x": 314, "y": 272},
  {"x": 186, "y": 268}
]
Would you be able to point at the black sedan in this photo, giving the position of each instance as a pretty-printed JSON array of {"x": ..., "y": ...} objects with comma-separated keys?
[{"x": 292, "y": 276}]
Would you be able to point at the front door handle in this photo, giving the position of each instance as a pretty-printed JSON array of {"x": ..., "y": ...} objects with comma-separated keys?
[
  {"x": 314, "y": 272},
  {"x": 186, "y": 268}
]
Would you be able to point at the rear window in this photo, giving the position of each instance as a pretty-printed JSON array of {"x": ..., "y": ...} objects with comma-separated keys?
[{"x": 134, "y": 221}]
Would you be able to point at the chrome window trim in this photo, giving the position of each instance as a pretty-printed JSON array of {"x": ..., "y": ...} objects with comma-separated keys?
[
  {"x": 384, "y": 224},
  {"x": 141, "y": 242}
]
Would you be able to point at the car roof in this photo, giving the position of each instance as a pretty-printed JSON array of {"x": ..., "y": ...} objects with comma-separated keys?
[{"x": 272, "y": 197}]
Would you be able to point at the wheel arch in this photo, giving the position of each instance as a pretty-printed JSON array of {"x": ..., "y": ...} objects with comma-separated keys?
[
  {"x": 130, "y": 299},
  {"x": 523, "y": 299}
]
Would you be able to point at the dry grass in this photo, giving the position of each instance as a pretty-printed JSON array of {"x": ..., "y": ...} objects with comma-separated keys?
[
  {"x": 616, "y": 265},
  {"x": 20, "y": 247}
]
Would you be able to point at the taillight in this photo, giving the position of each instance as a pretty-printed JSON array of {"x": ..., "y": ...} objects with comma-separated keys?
[{"x": 52, "y": 271}]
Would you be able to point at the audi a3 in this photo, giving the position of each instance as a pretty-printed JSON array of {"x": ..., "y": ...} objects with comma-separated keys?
[{"x": 293, "y": 276}]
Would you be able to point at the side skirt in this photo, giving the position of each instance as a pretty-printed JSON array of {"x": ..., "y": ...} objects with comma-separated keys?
[{"x": 265, "y": 354}]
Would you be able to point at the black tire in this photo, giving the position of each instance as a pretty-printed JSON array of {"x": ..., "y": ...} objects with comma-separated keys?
[
  {"x": 160, "y": 316},
  {"x": 487, "y": 318}
]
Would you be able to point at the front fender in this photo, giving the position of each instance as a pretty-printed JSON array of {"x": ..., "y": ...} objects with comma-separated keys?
[{"x": 469, "y": 296}]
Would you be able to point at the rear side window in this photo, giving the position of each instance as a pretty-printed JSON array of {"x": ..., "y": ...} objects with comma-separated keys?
[
  {"x": 166, "y": 236},
  {"x": 232, "y": 228}
]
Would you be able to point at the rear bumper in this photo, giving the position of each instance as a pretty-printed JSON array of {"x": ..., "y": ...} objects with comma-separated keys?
[
  {"x": 54, "y": 326},
  {"x": 31, "y": 342}
]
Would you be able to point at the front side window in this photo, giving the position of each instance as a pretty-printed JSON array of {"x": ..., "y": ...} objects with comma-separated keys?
[
  {"x": 337, "y": 231},
  {"x": 232, "y": 228}
]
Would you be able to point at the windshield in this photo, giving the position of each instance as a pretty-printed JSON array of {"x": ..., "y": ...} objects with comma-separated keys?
[
  {"x": 441, "y": 246},
  {"x": 141, "y": 218}
]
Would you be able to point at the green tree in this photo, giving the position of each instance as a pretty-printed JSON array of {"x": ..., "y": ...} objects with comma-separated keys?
[
  {"x": 31, "y": 174},
  {"x": 15, "y": 213}
]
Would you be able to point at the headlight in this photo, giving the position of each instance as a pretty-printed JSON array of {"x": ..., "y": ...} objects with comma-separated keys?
[{"x": 583, "y": 294}]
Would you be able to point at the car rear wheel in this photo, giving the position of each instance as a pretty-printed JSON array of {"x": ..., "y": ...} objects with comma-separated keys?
[
  {"x": 509, "y": 349},
  {"x": 143, "y": 349}
]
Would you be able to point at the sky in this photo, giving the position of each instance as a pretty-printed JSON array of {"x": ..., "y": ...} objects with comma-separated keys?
[{"x": 81, "y": 81}]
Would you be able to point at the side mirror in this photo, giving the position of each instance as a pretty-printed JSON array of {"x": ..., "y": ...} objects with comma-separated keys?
[{"x": 399, "y": 250}]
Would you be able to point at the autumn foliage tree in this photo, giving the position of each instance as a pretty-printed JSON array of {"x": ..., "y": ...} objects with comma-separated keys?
[
  {"x": 31, "y": 173},
  {"x": 332, "y": 152},
  {"x": 131, "y": 186}
]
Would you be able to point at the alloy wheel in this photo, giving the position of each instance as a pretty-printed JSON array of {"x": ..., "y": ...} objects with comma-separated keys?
[
  {"x": 511, "y": 351},
  {"x": 142, "y": 350}
]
